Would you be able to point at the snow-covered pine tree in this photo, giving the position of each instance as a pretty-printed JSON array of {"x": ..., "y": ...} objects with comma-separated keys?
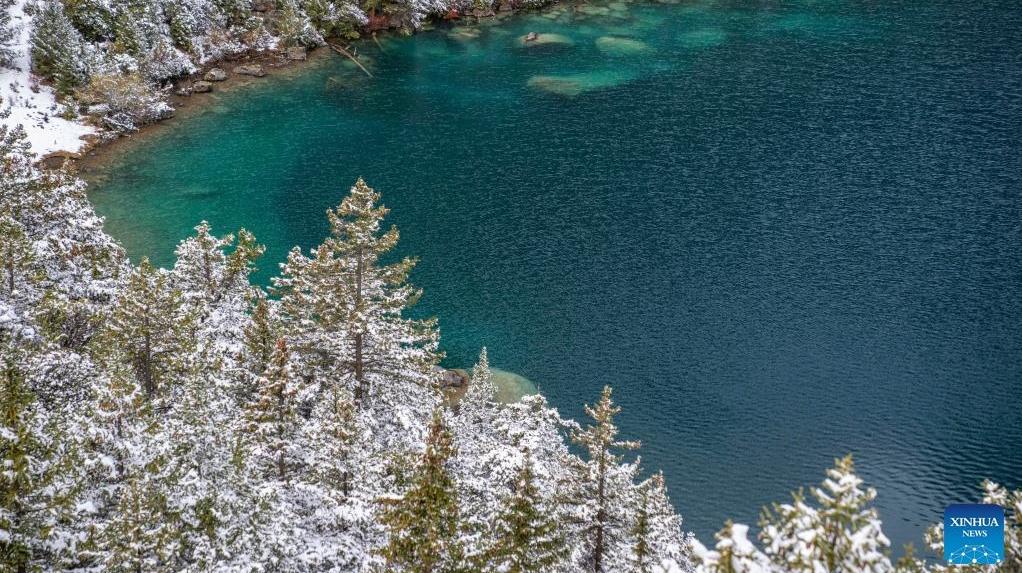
[
  {"x": 261, "y": 335},
  {"x": 335, "y": 18},
  {"x": 526, "y": 537},
  {"x": 272, "y": 421},
  {"x": 424, "y": 523},
  {"x": 58, "y": 49},
  {"x": 15, "y": 253},
  {"x": 603, "y": 523},
  {"x": 202, "y": 474},
  {"x": 143, "y": 535},
  {"x": 733, "y": 553},
  {"x": 150, "y": 330},
  {"x": 7, "y": 35},
  {"x": 478, "y": 405},
  {"x": 656, "y": 531},
  {"x": 38, "y": 486},
  {"x": 333, "y": 435},
  {"x": 200, "y": 264},
  {"x": 205, "y": 270},
  {"x": 293, "y": 26},
  {"x": 343, "y": 309},
  {"x": 842, "y": 533}
]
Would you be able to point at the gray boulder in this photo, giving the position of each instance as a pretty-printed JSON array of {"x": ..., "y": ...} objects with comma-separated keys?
[
  {"x": 201, "y": 87},
  {"x": 254, "y": 70},
  {"x": 215, "y": 75}
]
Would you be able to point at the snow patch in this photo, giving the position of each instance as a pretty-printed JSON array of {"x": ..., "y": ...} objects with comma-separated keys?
[{"x": 32, "y": 105}]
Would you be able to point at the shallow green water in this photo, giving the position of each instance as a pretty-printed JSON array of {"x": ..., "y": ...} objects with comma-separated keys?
[{"x": 782, "y": 230}]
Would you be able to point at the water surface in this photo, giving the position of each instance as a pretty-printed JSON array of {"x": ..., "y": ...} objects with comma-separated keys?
[{"x": 782, "y": 230}]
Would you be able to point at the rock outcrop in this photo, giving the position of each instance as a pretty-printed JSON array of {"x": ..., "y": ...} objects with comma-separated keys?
[{"x": 254, "y": 70}]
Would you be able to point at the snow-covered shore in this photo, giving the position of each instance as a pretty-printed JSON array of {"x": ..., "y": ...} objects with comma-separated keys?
[{"x": 31, "y": 104}]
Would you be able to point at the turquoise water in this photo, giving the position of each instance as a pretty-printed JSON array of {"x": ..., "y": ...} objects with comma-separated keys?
[{"x": 782, "y": 230}]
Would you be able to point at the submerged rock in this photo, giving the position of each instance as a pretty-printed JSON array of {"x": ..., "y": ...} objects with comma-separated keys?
[
  {"x": 201, "y": 87},
  {"x": 215, "y": 75},
  {"x": 254, "y": 70},
  {"x": 297, "y": 54},
  {"x": 619, "y": 46},
  {"x": 510, "y": 386},
  {"x": 533, "y": 39},
  {"x": 571, "y": 85},
  {"x": 464, "y": 34}
]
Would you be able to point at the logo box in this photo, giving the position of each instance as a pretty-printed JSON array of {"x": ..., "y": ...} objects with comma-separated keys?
[{"x": 973, "y": 534}]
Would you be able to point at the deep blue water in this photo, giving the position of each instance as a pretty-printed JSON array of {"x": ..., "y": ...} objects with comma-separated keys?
[{"x": 783, "y": 231}]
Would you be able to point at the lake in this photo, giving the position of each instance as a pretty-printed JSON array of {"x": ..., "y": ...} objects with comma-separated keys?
[{"x": 783, "y": 231}]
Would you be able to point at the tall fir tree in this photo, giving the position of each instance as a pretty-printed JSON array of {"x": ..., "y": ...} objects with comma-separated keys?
[
  {"x": 526, "y": 536},
  {"x": 344, "y": 310},
  {"x": 16, "y": 253},
  {"x": 600, "y": 442},
  {"x": 150, "y": 329},
  {"x": 144, "y": 535},
  {"x": 58, "y": 49},
  {"x": 334, "y": 437},
  {"x": 842, "y": 533},
  {"x": 205, "y": 269},
  {"x": 38, "y": 486},
  {"x": 656, "y": 532},
  {"x": 479, "y": 402},
  {"x": 7, "y": 35},
  {"x": 424, "y": 524},
  {"x": 272, "y": 421},
  {"x": 260, "y": 335}
]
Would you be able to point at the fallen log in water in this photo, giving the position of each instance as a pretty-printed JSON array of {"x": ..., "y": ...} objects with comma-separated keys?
[{"x": 348, "y": 55}]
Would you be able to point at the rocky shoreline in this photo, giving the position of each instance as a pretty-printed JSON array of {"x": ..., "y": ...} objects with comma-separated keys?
[{"x": 243, "y": 69}]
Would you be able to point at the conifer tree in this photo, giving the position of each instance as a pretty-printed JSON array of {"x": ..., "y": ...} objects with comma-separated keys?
[
  {"x": 7, "y": 36},
  {"x": 600, "y": 442},
  {"x": 733, "y": 553},
  {"x": 260, "y": 335},
  {"x": 15, "y": 252},
  {"x": 143, "y": 535},
  {"x": 344, "y": 309},
  {"x": 526, "y": 536},
  {"x": 272, "y": 420},
  {"x": 150, "y": 329},
  {"x": 334, "y": 460},
  {"x": 480, "y": 398},
  {"x": 641, "y": 531},
  {"x": 205, "y": 270},
  {"x": 841, "y": 534},
  {"x": 58, "y": 48},
  {"x": 37, "y": 484},
  {"x": 424, "y": 523},
  {"x": 293, "y": 25},
  {"x": 657, "y": 530}
]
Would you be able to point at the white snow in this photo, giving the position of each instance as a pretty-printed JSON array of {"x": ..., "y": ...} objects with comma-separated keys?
[{"x": 33, "y": 105}]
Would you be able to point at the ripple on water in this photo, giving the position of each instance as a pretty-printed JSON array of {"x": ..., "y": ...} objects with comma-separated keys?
[{"x": 703, "y": 38}]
